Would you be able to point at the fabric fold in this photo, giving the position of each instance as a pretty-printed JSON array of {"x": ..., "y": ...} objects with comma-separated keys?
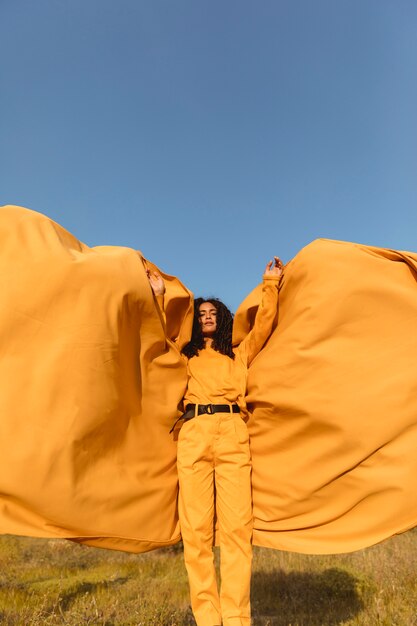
[
  {"x": 90, "y": 387},
  {"x": 333, "y": 401}
]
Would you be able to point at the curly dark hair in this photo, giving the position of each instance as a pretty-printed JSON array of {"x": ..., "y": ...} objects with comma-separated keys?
[{"x": 222, "y": 338}]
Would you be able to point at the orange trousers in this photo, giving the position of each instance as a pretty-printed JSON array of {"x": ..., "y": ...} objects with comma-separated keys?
[{"x": 214, "y": 468}]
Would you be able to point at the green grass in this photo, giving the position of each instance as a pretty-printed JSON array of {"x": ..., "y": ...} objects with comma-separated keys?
[{"x": 51, "y": 582}]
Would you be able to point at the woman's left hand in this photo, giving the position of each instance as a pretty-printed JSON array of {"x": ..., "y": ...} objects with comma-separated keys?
[{"x": 274, "y": 268}]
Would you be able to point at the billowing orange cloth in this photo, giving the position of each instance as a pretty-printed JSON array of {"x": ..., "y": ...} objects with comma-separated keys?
[
  {"x": 90, "y": 387},
  {"x": 89, "y": 390},
  {"x": 333, "y": 397}
]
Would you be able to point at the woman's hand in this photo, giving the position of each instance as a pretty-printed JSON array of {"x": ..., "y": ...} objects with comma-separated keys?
[
  {"x": 156, "y": 282},
  {"x": 274, "y": 268}
]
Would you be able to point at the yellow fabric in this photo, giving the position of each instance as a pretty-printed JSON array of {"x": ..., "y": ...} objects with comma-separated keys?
[
  {"x": 90, "y": 388},
  {"x": 333, "y": 400},
  {"x": 214, "y": 465},
  {"x": 215, "y": 378}
]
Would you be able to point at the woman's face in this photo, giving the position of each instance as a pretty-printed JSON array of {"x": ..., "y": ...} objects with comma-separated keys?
[{"x": 207, "y": 316}]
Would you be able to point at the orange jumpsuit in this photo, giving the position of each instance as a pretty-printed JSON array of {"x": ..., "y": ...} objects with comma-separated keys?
[{"x": 214, "y": 469}]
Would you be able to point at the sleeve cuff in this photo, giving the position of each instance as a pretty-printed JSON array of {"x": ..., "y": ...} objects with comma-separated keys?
[{"x": 271, "y": 278}]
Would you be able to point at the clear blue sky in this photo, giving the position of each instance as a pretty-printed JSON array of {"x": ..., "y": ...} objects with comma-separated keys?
[{"x": 211, "y": 135}]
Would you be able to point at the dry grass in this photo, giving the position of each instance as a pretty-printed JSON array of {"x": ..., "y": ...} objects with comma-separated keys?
[{"x": 51, "y": 582}]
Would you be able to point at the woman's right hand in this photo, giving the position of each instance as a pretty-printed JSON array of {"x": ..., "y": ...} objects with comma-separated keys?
[{"x": 156, "y": 282}]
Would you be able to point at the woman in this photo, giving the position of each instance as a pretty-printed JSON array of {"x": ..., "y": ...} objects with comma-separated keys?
[{"x": 213, "y": 458}]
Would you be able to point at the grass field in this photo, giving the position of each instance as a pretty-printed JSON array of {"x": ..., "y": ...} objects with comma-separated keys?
[{"x": 51, "y": 582}]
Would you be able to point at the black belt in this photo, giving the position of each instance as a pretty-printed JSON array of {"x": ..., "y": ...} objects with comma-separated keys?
[
  {"x": 209, "y": 409},
  {"x": 213, "y": 408}
]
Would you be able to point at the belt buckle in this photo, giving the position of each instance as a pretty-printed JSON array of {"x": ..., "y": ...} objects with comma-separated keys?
[{"x": 210, "y": 409}]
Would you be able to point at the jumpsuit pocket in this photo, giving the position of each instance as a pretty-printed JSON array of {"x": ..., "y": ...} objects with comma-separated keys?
[
  {"x": 241, "y": 431},
  {"x": 184, "y": 428}
]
